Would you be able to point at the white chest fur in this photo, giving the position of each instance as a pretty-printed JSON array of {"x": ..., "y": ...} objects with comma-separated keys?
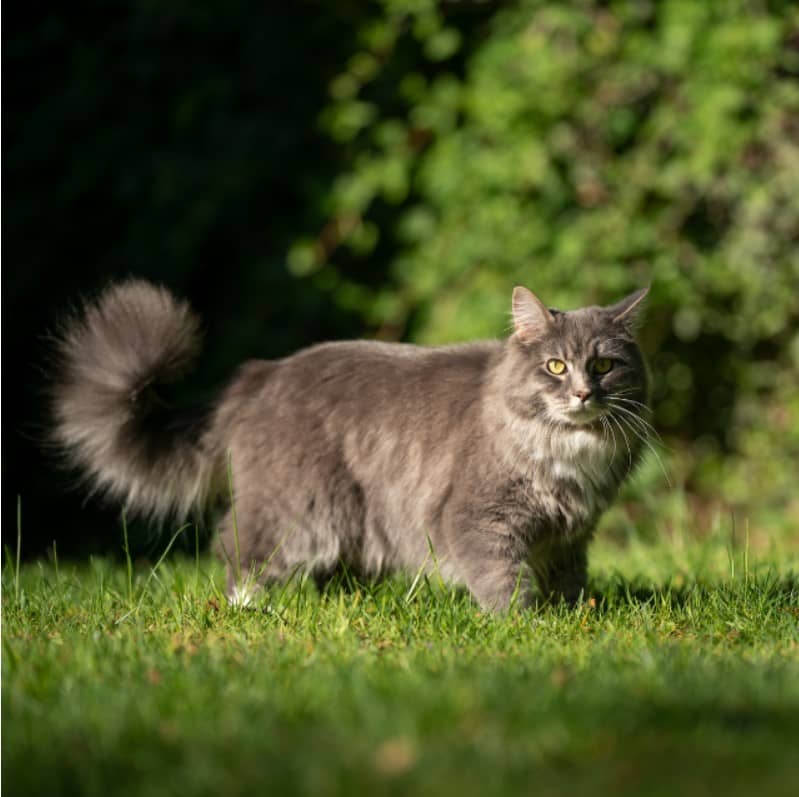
[
  {"x": 578, "y": 455},
  {"x": 573, "y": 474}
]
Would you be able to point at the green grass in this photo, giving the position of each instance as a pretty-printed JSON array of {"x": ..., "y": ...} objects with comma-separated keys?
[{"x": 680, "y": 675}]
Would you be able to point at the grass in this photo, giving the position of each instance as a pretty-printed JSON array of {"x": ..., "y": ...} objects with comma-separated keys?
[{"x": 680, "y": 674}]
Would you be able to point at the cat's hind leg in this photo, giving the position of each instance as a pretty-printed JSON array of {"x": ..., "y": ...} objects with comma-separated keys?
[
  {"x": 262, "y": 545},
  {"x": 254, "y": 552}
]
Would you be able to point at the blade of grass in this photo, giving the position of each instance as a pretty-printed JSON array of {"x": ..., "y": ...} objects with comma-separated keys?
[
  {"x": 19, "y": 548},
  {"x": 153, "y": 571},
  {"x": 128, "y": 562}
]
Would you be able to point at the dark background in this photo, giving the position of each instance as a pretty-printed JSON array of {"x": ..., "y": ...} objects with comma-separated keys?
[{"x": 175, "y": 143}]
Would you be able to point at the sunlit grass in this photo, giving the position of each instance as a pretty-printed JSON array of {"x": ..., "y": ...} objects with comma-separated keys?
[{"x": 680, "y": 671}]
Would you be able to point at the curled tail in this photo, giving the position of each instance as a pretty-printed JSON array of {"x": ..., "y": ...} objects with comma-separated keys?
[{"x": 108, "y": 416}]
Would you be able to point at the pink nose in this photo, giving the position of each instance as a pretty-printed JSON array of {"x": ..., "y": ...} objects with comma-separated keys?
[{"x": 583, "y": 394}]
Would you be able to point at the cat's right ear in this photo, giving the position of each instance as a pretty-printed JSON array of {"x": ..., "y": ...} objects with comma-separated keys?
[
  {"x": 531, "y": 318},
  {"x": 628, "y": 310}
]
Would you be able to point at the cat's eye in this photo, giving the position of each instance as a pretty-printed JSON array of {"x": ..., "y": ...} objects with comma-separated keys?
[
  {"x": 602, "y": 365},
  {"x": 556, "y": 367}
]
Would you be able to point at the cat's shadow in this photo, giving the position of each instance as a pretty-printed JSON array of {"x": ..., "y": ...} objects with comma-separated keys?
[
  {"x": 772, "y": 587},
  {"x": 601, "y": 598}
]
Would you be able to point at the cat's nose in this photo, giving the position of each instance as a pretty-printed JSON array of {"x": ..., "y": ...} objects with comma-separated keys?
[{"x": 583, "y": 394}]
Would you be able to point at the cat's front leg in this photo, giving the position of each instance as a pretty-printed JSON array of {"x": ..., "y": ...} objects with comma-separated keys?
[
  {"x": 490, "y": 561},
  {"x": 561, "y": 571}
]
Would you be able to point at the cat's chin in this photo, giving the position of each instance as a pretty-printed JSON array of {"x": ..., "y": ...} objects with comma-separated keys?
[{"x": 584, "y": 418}]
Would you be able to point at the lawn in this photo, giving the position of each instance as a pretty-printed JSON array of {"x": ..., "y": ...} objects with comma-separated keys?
[{"x": 679, "y": 674}]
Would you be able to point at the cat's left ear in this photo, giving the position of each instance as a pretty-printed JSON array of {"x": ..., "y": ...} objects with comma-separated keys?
[{"x": 628, "y": 310}]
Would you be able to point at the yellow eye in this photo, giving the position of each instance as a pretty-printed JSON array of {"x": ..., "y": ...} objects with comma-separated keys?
[
  {"x": 602, "y": 365},
  {"x": 556, "y": 367}
]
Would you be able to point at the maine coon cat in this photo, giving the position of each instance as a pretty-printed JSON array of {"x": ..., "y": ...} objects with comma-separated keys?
[{"x": 500, "y": 456}]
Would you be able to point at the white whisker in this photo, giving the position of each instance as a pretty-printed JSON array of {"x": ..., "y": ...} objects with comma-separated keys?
[
  {"x": 633, "y": 402},
  {"x": 617, "y": 422},
  {"x": 646, "y": 442},
  {"x": 608, "y": 431},
  {"x": 642, "y": 423}
]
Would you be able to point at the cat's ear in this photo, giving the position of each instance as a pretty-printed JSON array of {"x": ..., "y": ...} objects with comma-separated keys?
[
  {"x": 530, "y": 316},
  {"x": 628, "y": 310}
]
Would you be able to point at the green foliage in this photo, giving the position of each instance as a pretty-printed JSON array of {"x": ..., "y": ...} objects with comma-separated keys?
[
  {"x": 681, "y": 672},
  {"x": 584, "y": 150}
]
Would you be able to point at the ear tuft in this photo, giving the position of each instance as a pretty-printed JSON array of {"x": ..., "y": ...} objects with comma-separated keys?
[{"x": 530, "y": 316}]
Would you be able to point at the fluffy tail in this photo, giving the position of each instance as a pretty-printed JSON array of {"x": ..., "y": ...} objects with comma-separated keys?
[{"x": 108, "y": 417}]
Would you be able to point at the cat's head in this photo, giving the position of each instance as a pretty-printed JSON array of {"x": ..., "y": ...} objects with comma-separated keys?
[{"x": 575, "y": 367}]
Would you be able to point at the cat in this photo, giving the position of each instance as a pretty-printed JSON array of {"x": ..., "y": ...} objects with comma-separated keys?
[{"x": 489, "y": 461}]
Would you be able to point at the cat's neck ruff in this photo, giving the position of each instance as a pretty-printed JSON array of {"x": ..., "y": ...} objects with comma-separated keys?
[
  {"x": 573, "y": 452},
  {"x": 551, "y": 450}
]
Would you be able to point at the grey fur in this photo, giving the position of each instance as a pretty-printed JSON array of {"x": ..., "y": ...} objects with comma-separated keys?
[{"x": 368, "y": 453}]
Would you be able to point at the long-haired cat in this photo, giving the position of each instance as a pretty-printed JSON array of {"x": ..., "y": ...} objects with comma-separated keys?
[{"x": 497, "y": 456}]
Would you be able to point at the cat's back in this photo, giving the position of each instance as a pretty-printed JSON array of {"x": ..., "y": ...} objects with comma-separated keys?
[
  {"x": 379, "y": 371},
  {"x": 359, "y": 391}
]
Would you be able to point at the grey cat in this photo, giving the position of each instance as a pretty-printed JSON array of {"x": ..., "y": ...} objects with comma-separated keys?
[{"x": 496, "y": 456}]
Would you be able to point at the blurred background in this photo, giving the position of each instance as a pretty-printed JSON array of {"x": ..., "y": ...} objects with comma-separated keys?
[{"x": 316, "y": 170}]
